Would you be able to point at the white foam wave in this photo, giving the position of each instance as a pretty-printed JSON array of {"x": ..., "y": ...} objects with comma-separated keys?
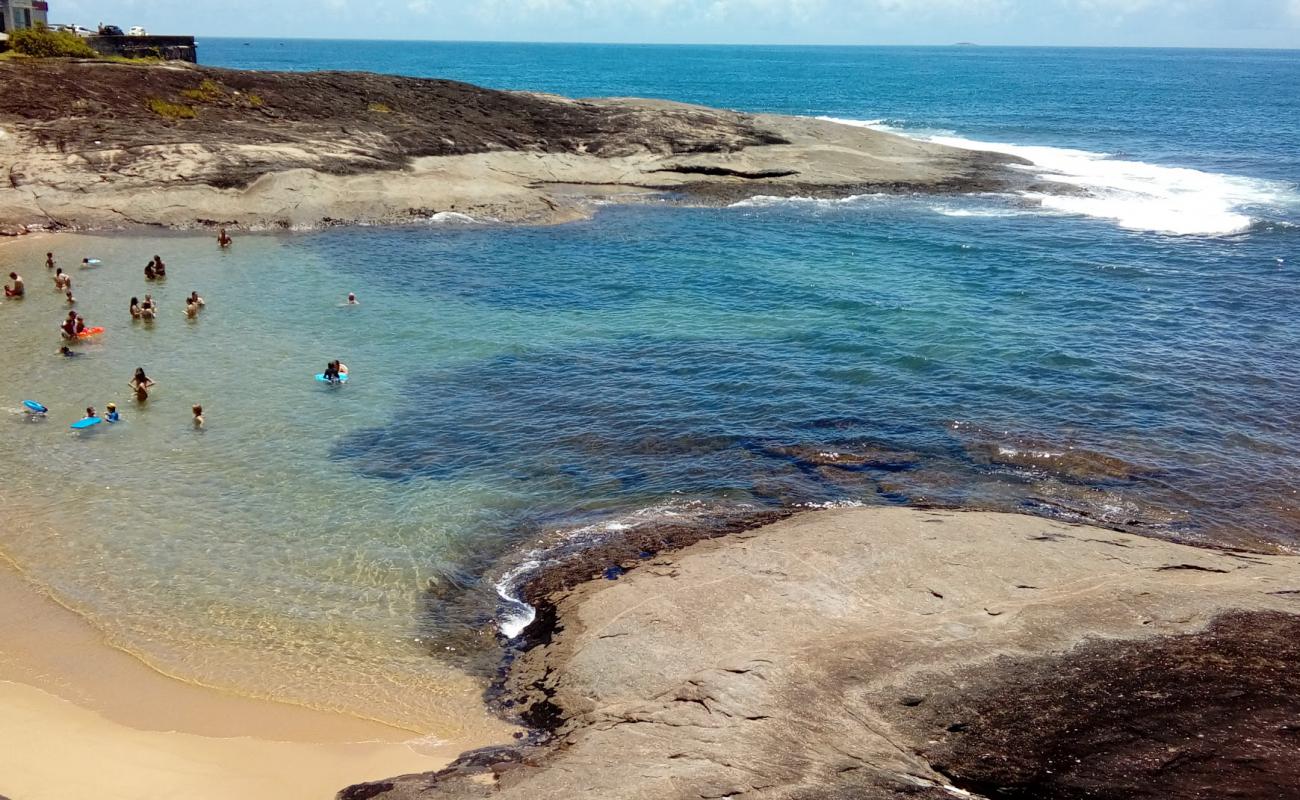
[
  {"x": 516, "y": 615},
  {"x": 1133, "y": 194},
  {"x": 771, "y": 201}
]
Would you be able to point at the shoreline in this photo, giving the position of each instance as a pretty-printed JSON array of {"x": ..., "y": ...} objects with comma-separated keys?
[
  {"x": 84, "y": 717},
  {"x": 820, "y": 622}
]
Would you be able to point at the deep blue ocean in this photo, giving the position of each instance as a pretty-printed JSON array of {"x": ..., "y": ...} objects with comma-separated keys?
[{"x": 1126, "y": 356}]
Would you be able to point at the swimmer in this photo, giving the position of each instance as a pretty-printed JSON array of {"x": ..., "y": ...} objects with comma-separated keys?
[
  {"x": 69, "y": 325},
  {"x": 223, "y": 238},
  {"x": 62, "y": 282},
  {"x": 68, "y": 352},
  {"x": 81, "y": 323},
  {"x": 198, "y": 415},
  {"x": 159, "y": 268},
  {"x": 196, "y": 300},
  {"x": 17, "y": 290},
  {"x": 340, "y": 367},
  {"x": 112, "y": 415},
  {"x": 148, "y": 309},
  {"x": 332, "y": 372},
  {"x": 72, "y": 301},
  {"x": 140, "y": 383},
  {"x": 49, "y": 261},
  {"x": 85, "y": 263},
  {"x": 191, "y": 309},
  {"x": 90, "y": 412},
  {"x": 149, "y": 273},
  {"x": 352, "y": 299},
  {"x": 135, "y": 308}
]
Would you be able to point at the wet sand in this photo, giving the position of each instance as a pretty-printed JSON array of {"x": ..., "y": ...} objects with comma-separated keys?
[{"x": 83, "y": 719}]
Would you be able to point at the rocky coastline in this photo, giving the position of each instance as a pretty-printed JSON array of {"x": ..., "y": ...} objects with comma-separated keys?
[
  {"x": 94, "y": 145},
  {"x": 886, "y": 652}
]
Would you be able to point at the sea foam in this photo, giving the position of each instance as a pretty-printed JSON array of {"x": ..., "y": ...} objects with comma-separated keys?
[{"x": 1133, "y": 194}]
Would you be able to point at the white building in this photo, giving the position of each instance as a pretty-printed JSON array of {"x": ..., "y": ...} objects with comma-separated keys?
[{"x": 18, "y": 14}]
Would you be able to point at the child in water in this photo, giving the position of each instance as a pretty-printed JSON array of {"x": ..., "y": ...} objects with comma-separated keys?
[
  {"x": 72, "y": 301},
  {"x": 112, "y": 415},
  {"x": 68, "y": 352},
  {"x": 90, "y": 412},
  {"x": 223, "y": 238},
  {"x": 198, "y": 415},
  {"x": 140, "y": 384},
  {"x": 49, "y": 261}
]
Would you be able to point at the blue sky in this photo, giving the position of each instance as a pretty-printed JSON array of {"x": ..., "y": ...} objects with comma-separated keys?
[{"x": 1179, "y": 23}]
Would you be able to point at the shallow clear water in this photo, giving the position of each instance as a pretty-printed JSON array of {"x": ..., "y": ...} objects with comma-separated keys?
[{"x": 339, "y": 546}]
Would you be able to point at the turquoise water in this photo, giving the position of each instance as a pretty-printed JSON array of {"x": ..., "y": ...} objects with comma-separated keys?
[{"x": 1126, "y": 358}]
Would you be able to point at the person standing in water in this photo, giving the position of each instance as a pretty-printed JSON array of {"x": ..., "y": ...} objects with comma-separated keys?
[
  {"x": 159, "y": 268},
  {"x": 17, "y": 290},
  {"x": 223, "y": 238},
  {"x": 72, "y": 301},
  {"x": 49, "y": 261},
  {"x": 135, "y": 308},
  {"x": 141, "y": 383},
  {"x": 198, "y": 415},
  {"x": 112, "y": 415},
  {"x": 149, "y": 273},
  {"x": 69, "y": 325},
  {"x": 62, "y": 282}
]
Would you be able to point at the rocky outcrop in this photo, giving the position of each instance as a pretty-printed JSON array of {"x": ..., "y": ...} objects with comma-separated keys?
[
  {"x": 873, "y": 653},
  {"x": 100, "y": 144}
]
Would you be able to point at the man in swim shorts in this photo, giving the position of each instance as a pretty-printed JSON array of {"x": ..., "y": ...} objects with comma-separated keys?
[{"x": 17, "y": 290}]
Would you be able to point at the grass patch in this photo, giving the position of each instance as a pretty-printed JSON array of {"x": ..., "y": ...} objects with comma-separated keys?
[
  {"x": 169, "y": 110},
  {"x": 380, "y": 108},
  {"x": 255, "y": 100},
  {"x": 138, "y": 60},
  {"x": 42, "y": 42},
  {"x": 209, "y": 91}
]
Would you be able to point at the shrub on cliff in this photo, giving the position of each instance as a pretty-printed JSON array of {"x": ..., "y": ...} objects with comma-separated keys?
[{"x": 42, "y": 42}]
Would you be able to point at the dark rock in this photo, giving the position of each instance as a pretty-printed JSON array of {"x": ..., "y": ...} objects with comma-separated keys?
[{"x": 1200, "y": 716}]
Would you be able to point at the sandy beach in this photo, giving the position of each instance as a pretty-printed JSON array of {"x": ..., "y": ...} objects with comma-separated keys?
[{"x": 83, "y": 718}]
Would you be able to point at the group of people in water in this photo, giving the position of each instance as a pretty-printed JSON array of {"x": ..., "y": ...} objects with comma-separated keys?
[{"x": 74, "y": 327}]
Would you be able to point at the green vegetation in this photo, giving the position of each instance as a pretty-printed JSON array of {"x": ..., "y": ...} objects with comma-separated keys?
[
  {"x": 133, "y": 59},
  {"x": 169, "y": 110},
  {"x": 380, "y": 108},
  {"x": 255, "y": 100},
  {"x": 209, "y": 91},
  {"x": 42, "y": 42}
]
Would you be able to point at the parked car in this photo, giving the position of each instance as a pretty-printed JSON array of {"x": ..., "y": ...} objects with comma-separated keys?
[
  {"x": 80, "y": 31},
  {"x": 110, "y": 30},
  {"x": 136, "y": 30}
]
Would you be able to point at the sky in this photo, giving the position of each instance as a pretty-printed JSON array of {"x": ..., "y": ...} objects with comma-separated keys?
[{"x": 1162, "y": 23}]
